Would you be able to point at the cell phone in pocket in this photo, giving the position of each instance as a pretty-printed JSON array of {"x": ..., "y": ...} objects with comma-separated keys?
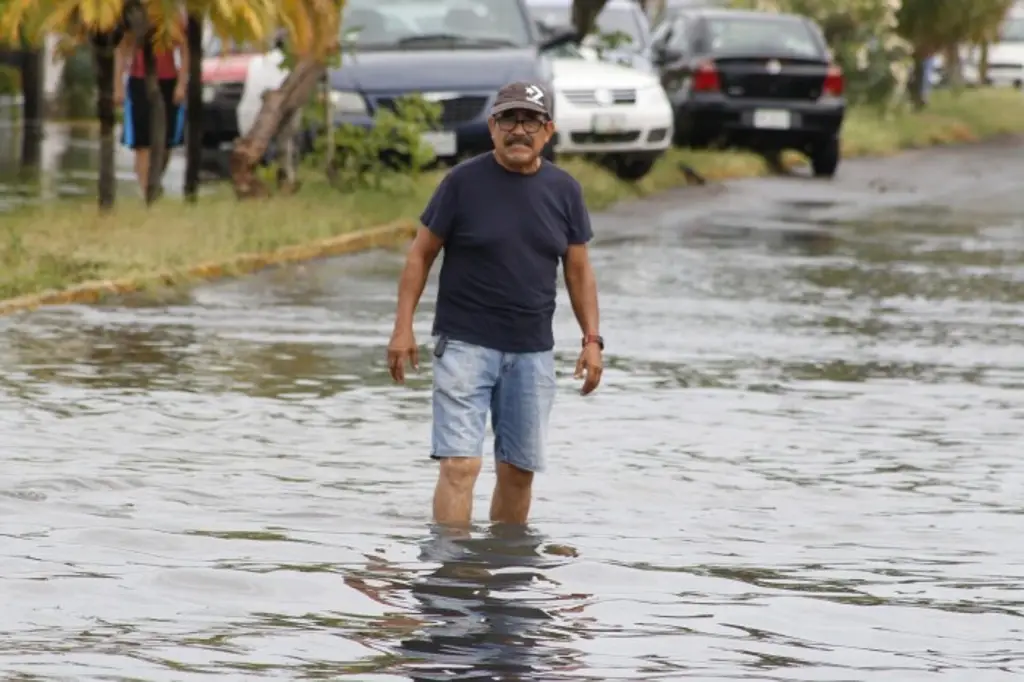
[{"x": 440, "y": 346}]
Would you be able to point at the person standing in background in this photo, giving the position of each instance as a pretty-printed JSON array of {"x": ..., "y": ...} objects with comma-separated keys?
[{"x": 130, "y": 91}]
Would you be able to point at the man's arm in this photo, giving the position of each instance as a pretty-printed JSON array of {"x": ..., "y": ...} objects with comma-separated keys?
[
  {"x": 418, "y": 262},
  {"x": 582, "y": 286},
  {"x": 579, "y": 275}
]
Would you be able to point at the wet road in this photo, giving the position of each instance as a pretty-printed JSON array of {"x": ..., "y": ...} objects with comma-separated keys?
[{"x": 804, "y": 465}]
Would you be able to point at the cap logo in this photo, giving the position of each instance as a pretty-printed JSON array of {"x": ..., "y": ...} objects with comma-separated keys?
[{"x": 535, "y": 95}]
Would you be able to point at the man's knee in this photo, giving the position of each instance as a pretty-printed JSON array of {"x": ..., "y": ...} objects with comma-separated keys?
[
  {"x": 460, "y": 472},
  {"x": 514, "y": 478}
]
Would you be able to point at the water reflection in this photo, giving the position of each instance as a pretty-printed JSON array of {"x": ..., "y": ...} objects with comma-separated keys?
[
  {"x": 69, "y": 165},
  {"x": 487, "y": 612}
]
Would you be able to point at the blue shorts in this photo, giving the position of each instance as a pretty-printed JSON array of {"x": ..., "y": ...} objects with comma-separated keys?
[{"x": 517, "y": 388}]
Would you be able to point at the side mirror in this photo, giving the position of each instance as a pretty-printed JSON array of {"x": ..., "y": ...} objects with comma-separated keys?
[{"x": 559, "y": 37}]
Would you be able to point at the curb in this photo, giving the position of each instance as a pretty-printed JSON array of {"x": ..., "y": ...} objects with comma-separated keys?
[{"x": 390, "y": 234}]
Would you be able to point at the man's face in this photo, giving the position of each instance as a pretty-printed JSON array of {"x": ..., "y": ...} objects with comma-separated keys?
[{"x": 519, "y": 136}]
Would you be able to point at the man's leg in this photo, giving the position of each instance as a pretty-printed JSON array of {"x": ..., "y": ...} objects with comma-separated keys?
[
  {"x": 464, "y": 378},
  {"x": 520, "y": 408}
]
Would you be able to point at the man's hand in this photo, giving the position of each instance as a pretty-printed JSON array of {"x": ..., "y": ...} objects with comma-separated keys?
[
  {"x": 118, "y": 95},
  {"x": 589, "y": 368},
  {"x": 402, "y": 349},
  {"x": 180, "y": 92}
]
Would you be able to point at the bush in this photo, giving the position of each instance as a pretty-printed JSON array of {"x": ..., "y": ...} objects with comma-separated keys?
[{"x": 393, "y": 146}]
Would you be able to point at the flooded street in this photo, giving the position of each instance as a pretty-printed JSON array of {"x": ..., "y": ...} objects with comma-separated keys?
[{"x": 804, "y": 462}]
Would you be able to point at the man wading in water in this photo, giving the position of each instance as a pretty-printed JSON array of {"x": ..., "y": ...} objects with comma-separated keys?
[{"x": 504, "y": 220}]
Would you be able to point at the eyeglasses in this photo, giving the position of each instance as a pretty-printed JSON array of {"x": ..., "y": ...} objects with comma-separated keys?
[{"x": 507, "y": 123}]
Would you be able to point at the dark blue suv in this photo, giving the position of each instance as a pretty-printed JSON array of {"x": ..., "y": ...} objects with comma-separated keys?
[{"x": 453, "y": 52}]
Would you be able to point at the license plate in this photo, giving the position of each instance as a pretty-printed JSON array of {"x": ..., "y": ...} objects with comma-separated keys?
[
  {"x": 208, "y": 93},
  {"x": 771, "y": 118},
  {"x": 442, "y": 142},
  {"x": 608, "y": 123}
]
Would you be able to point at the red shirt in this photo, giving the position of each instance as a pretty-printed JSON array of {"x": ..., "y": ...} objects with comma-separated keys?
[{"x": 165, "y": 65}]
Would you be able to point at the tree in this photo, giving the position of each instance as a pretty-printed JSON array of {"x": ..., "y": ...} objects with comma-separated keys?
[
  {"x": 194, "y": 108},
  {"x": 312, "y": 31},
  {"x": 585, "y": 13},
  {"x": 936, "y": 26},
  {"x": 101, "y": 24}
]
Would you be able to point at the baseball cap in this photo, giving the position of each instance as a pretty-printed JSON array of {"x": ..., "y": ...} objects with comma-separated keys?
[{"x": 524, "y": 96}]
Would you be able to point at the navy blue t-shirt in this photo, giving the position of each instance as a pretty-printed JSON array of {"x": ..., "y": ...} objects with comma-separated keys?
[{"x": 504, "y": 234}]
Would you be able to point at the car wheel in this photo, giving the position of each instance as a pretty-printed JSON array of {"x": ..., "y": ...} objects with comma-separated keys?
[
  {"x": 631, "y": 167},
  {"x": 825, "y": 157}
]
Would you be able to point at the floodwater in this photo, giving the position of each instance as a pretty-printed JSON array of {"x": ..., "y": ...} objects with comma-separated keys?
[
  {"x": 804, "y": 463},
  {"x": 69, "y": 165}
]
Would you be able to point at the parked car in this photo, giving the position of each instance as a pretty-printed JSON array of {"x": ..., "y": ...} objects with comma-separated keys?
[
  {"x": 615, "y": 114},
  {"x": 1005, "y": 54},
  {"x": 455, "y": 54},
  {"x": 754, "y": 80},
  {"x": 624, "y": 17}
]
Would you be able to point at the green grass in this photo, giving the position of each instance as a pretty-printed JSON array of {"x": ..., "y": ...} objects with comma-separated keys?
[{"x": 64, "y": 244}]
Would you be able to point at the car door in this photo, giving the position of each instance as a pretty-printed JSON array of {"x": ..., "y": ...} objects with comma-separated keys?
[{"x": 673, "y": 53}]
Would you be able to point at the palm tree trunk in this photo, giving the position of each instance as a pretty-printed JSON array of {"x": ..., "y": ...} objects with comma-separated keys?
[
  {"x": 983, "y": 65},
  {"x": 32, "y": 107},
  {"x": 157, "y": 124},
  {"x": 584, "y": 15},
  {"x": 103, "y": 53},
  {"x": 194, "y": 109},
  {"x": 278, "y": 108}
]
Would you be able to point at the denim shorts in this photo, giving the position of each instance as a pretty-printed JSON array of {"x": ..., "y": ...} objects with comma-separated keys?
[{"x": 517, "y": 388}]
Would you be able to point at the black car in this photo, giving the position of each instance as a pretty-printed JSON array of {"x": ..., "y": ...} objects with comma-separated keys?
[{"x": 753, "y": 80}]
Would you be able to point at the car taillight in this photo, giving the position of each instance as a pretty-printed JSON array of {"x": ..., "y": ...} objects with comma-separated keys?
[
  {"x": 705, "y": 78},
  {"x": 833, "y": 86}
]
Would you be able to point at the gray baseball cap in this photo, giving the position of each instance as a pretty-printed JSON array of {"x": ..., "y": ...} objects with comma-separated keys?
[{"x": 523, "y": 96}]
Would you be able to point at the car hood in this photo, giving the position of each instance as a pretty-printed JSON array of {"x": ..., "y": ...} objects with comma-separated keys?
[
  {"x": 584, "y": 73},
  {"x": 425, "y": 70}
]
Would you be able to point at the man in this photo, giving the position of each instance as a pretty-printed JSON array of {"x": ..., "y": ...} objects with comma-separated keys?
[
  {"x": 505, "y": 220},
  {"x": 172, "y": 73}
]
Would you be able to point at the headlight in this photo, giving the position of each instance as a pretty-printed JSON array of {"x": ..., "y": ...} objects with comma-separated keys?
[
  {"x": 209, "y": 93},
  {"x": 346, "y": 102}
]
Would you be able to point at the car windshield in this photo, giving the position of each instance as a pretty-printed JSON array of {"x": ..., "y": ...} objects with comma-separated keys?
[
  {"x": 434, "y": 24},
  {"x": 1012, "y": 31},
  {"x": 616, "y": 19},
  {"x": 768, "y": 36}
]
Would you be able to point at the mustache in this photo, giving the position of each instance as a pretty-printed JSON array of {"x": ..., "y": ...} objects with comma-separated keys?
[{"x": 518, "y": 139}]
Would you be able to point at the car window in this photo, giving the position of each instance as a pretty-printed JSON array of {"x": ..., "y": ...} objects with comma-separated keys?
[
  {"x": 388, "y": 23},
  {"x": 678, "y": 38},
  {"x": 1012, "y": 30},
  {"x": 772, "y": 36}
]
